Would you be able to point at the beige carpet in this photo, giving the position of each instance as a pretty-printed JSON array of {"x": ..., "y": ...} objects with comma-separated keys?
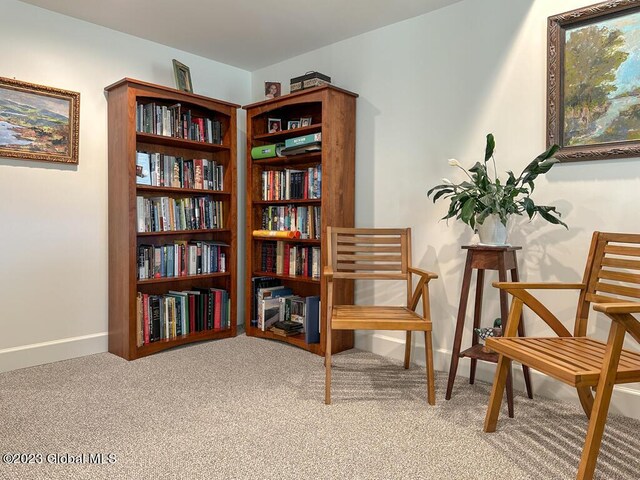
[{"x": 248, "y": 408}]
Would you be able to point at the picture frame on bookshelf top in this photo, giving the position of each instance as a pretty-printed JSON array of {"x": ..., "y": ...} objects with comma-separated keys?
[{"x": 182, "y": 74}]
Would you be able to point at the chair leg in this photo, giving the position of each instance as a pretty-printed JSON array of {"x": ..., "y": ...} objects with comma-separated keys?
[
  {"x": 431, "y": 383},
  {"x": 495, "y": 400},
  {"x": 327, "y": 366},
  {"x": 586, "y": 400},
  {"x": 407, "y": 350},
  {"x": 601, "y": 403}
]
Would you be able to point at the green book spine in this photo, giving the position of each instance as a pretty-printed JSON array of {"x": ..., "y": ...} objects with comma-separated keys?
[
  {"x": 266, "y": 151},
  {"x": 303, "y": 140}
]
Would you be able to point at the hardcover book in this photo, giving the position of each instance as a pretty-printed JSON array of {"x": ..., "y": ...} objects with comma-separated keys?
[
  {"x": 267, "y": 151},
  {"x": 312, "y": 138},
  {"x": 143, "y": 168}
]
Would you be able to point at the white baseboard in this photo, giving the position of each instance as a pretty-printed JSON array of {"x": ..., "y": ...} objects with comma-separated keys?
[
  {"x": 625, "y": 400},
  {"x": 53, "y": 351}
]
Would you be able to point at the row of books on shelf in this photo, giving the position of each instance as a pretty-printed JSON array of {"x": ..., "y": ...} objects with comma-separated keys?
[
  {"x": 275, "y": 307},
  {"x": 290, "y": 184},
  {"x": 176, "y": 121},
  {"x": 164, "y": 214},
  {"x": 284, "y": 258},
  {"x": 180, "y": 259},
  {"x": 179, "y": 313},
  {"x": 302, "y": 218},
  {"x": 160, "y": 170}
]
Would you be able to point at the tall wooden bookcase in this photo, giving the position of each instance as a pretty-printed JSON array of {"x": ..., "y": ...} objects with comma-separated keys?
[
  {"x": 332, "y": 111},
  {"x": 124, "y": 237}
]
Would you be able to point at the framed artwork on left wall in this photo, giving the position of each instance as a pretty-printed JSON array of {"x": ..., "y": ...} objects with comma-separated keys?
[{"x": 38, "y": 122}]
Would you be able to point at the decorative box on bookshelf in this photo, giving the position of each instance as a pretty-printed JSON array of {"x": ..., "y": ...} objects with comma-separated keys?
[
  {"x": 172, "y": 218},
  {"x": 302, "y": 186}
]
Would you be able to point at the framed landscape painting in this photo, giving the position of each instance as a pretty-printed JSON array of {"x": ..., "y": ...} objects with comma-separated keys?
[
  {"x": 593, "y": 89},
  {"x": 38, "y": 122}
]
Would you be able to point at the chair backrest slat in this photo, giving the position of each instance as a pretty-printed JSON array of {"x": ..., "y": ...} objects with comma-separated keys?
[
  {"x": 612, "y": 273},
  {"x": 354, "y": 267},
  {"x": 369, "y": 253},
  {"x": 371, "y": 258},
  {"x": 367, "y": 239}
]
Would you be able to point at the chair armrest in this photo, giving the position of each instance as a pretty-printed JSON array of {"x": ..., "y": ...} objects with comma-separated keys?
[
  {"x": 620, "y": 312},
  {"x": 539, "y": 286},
  {"x": 328, "y": 273},
  {"x": 423, "y": 273},
  {"x": 519, "y": 291},
  {"x": 622, "y": 307}
]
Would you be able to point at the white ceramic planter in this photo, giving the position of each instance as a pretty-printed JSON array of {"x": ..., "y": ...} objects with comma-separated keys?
[{"x": 492, "y": 231}]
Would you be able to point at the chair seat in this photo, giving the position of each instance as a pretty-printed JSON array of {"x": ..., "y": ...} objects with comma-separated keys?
[
  {"x": 573, "y": 360},
  {"x": 355, "y": 317}
]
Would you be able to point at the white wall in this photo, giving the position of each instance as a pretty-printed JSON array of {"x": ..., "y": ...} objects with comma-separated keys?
[
  {"x": 53, "y": 218},
  {"x": 430, "y": 89}
]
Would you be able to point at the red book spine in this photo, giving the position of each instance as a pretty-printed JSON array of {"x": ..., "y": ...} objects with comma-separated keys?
[
  {"x": 201, "y": 128},
  {"x": 287, "y": 258},
  {"x": 218, "y": 310}
]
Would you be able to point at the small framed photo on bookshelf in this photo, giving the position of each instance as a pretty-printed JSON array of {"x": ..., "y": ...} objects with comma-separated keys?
[
  {"x": 305, "y": 121},
  {"x": 271, "y": 90},
  {"x": 274, "y": 125},
  {"x": 183, "y": 76},
  {"x": 291, "y": 124},
  {"x": 38, "y": 122}
]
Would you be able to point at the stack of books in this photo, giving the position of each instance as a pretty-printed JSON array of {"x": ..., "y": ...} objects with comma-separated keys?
[
  {"x": 304, "y": 144},
  {"x": 287, "y": 328}
]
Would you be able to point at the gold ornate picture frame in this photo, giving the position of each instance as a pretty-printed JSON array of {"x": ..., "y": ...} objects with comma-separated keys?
[{"x": 38, "y": 122}]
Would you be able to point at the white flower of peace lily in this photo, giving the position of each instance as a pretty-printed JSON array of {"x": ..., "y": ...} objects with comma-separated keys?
[
  {"x": 454, "y": 163},
  {"x": 447, "y": 181}
]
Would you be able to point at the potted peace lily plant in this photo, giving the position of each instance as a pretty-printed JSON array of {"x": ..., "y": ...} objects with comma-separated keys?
[{"x": 486, "y": 204}]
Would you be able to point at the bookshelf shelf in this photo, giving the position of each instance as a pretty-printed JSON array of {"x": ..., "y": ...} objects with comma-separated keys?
[
  {"x": 183, "y": 278},
  {"x": 333, "y": 114},
  {"x": 160, "y": 345},
  {"x": 293, "y": 278},
  {"x": 302, "y": 201},
  {"x": 290, "y": 240},
  {"x": 297, "y": 340},
  {"x": 181, "y": 191},
  {"x": 281, "y": 135},
  {"x": 150, "y": 138},
  {"x": 183, "y": 232},
  {"x": 130, "y": 329},
  {"x": 310, "y": 158}
]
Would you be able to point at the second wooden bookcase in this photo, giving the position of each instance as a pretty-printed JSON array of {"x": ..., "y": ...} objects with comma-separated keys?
[{"x": 330, "y": 111}]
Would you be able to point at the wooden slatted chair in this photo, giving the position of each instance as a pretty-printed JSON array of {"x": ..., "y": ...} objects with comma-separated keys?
[
  {"x": 611, "y": 278},
  {"x": 377, "y": 254}
]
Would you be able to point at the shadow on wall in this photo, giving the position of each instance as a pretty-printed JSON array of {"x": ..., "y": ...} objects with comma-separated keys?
[
  {"x": 366, "y": 114},
  {"x": 17, "y": 162}
]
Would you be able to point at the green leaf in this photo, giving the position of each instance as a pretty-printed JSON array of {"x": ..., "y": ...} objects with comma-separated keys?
[
  {"x": 480, "y": 218},
  {"x": 491, "y": 145},
  {"x": 478, "y": 167},
  {"x": 468, "y": 210},
  {"x": 529, "y": 207},
  {"x": 438, "y": 187},
  {"x": 551, "y": 219},
  {"x": 441, "y": 193}
]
